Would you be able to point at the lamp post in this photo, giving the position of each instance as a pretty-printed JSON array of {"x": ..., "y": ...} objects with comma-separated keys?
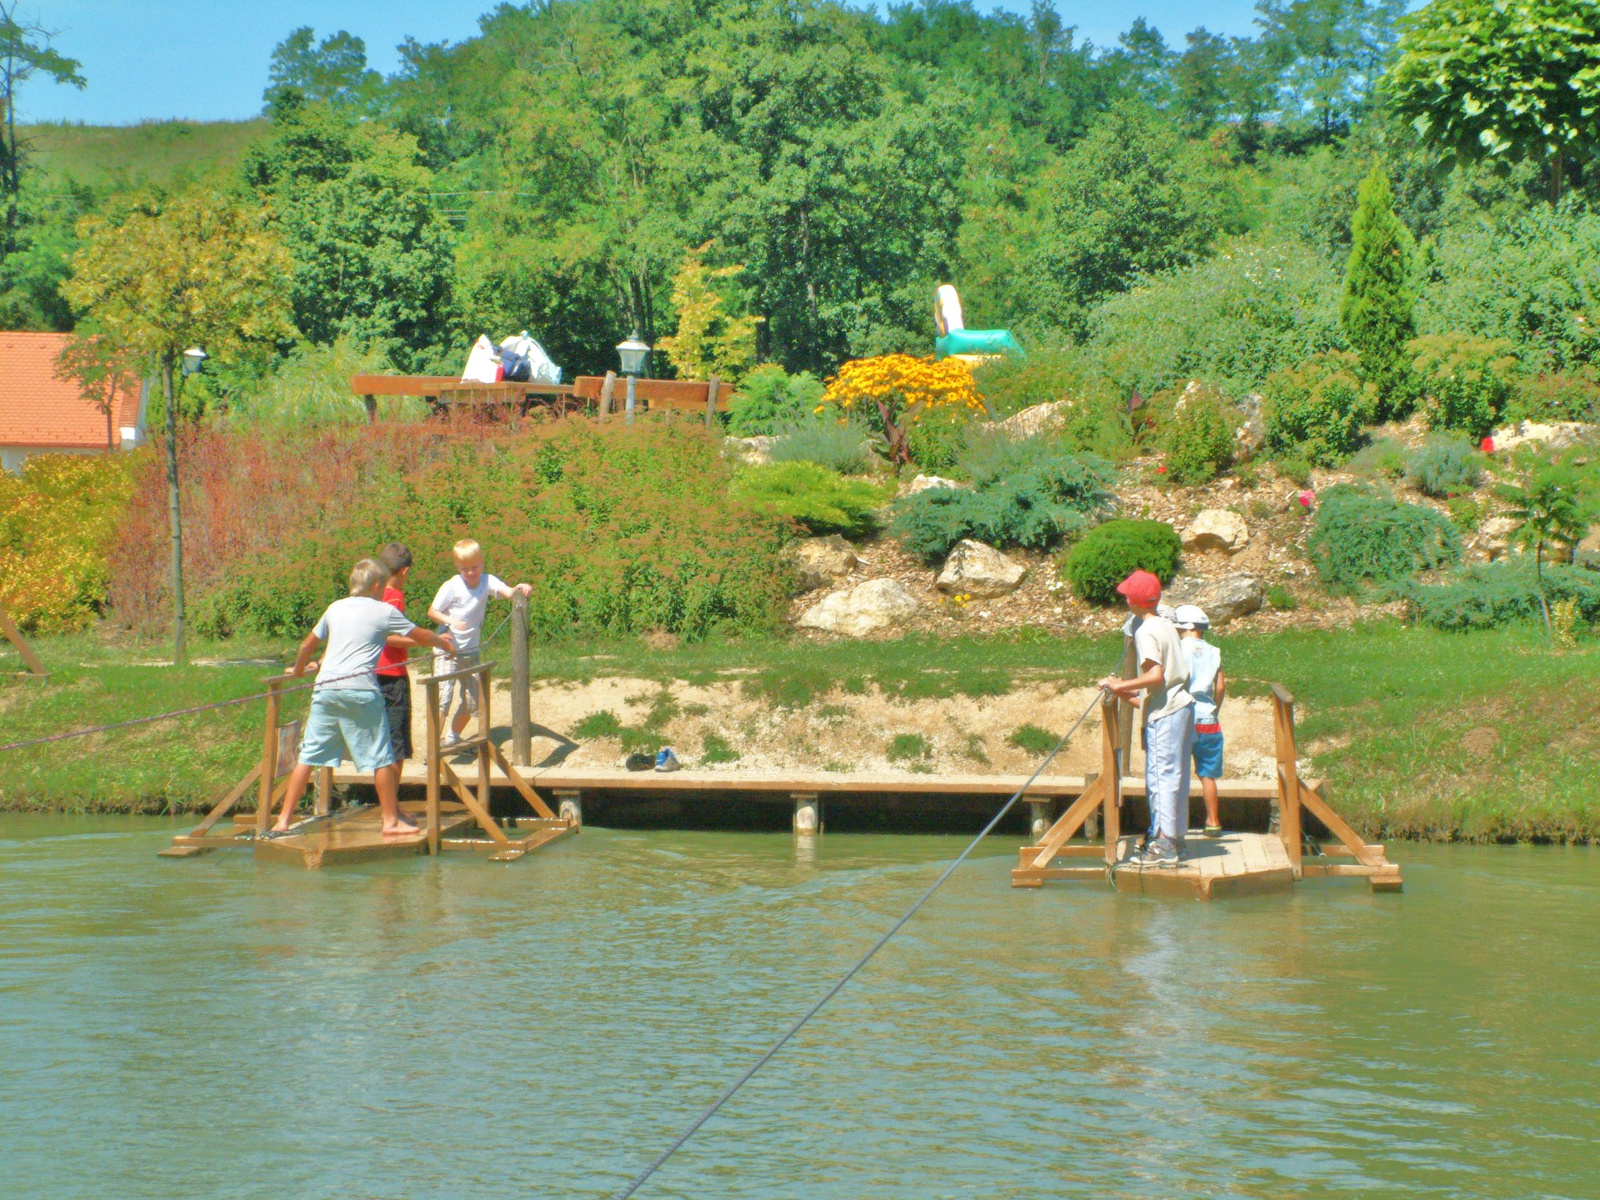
[{"x": 632, "y": 354}]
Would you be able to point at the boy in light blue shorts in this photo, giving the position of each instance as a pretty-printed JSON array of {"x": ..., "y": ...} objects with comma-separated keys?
[
  {"x": 1209, "y": 687},
  {"x": 348, "y": 711}
]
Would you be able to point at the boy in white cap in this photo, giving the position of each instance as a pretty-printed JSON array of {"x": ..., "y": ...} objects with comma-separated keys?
[{"x": 1209, "y": 687}]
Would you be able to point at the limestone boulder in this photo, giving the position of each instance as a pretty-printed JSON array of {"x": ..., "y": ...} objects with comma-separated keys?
[
  {"x": 1030, "y": 422},
  {"x": 980, "y": 571},
  {"x": 1587, "y": 552},
  {"x": 818, "y": 561},
  {"x": 1226, "y": 599},
  {"x": 876, "y": 606},
  {"x": 1494, "y": 536},
  {"x": 750, "y": 451},
  {"x": 923, "y": 482},
  {"x": 1557, "y": 435},
  {"x": 1216, "y": 529}
]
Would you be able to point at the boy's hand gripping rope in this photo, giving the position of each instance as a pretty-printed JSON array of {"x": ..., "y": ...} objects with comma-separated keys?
[{"x": 738, "y": 1083}]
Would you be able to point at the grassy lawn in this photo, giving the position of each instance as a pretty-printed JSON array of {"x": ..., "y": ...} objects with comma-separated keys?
[
  {"x": 150, "y": 152},
  {"x": 1385, "y": 713}
]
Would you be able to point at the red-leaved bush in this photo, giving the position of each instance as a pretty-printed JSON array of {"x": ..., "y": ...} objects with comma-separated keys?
[{"x": 619, "y": 528}]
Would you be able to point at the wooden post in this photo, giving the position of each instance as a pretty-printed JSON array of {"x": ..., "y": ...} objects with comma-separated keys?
[
  {"x": 1288, "y": 777},
  {"x": 607, "y": 389},
  {"x": 1111, "y": 804},
  {"x": 431, "y": 689},
  {"x": 324, "y": 803},
  {"x": 711, "y": 401},
  {"x": 1128, "y": 668},
  {"x": 485, "y": 691},
  {"x": 521, "y": 718},
  {"x": 29, "y": 658},
  {"x": 372, "y": 409},
  {"x": 807, "y": 813},
  {"x": 1041, "y": 820},
  {"x": 269, "y": 757},
  {"x": 569, "y": 805}
]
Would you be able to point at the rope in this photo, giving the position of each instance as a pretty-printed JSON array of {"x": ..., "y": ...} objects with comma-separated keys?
[
  {"x": 200, "y": 708},
  {"x": 772, "y": 1050}
]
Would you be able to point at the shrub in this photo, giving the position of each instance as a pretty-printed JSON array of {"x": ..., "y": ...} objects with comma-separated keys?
[
  {"x": 821, "y": 500},
  {"x": 1034, "y": 508},
  {"x": 1382, "y": 459},
  {"x": 1198, "y": 439},
  {"x": 937, "y": 437},
  {"x": 1252, "y": 309},
  {"x": 1295, "y": 469},
  {"x": 57, "y": 522},
  {"x": 769, "y": 397},
  {"x": 889, "y": 390},
  {"x": 838, "y": 445},
  {"x": 1444, "y": 466},
  {"x": 991, "y": 454},
  {"x": 1376, "y": 309},
  {"x": 1281, "y": 598},
  {"x": 1462, "y": 382},
  {"x": 1314, "y": 411},
  {"x": 907, "y": 747},
  {"x": 1034, "y": 740},
  {"x": 1487, "y": 595},
  {"x": 1466, "y": 514},
  {"x": 1556, "y": 396},
  {"x": 1094, "y": 409},
  {"x": 1363, "y": 539},
  {"x": 716, "y": 749},
  {"x": 621, "y": 529},
  {"x": 1109, "y": 553}
]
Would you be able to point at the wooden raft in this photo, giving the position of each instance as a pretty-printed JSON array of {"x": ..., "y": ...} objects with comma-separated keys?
[
  {"x": 1238, "y": 864},
  {"x": 354, "y": 834}
]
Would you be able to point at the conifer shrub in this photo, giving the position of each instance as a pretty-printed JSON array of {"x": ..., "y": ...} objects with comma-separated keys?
[
  {"x": 1376, "y": 308},
  {"x": 1489, "y": 595},
  {"x": 1463, "y": 382},
  {"x": 1112, "y": 551},
  {"x": 1364, "y": 540},
  {"x": 1445, "y": 465},
  {"x": 937, "y": 437},
  {"x": 1315, "y": 411},
  {"x": 1382, "y": 459},
  {"x": 1197, "y": 440},
  {"x": 1034, "y": 507},
  {"x": 820, "y": 500},
  {"x": 840, "y": 446},
  {"x": 769, "y": 397}
]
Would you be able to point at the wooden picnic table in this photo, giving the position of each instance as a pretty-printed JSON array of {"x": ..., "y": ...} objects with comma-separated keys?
[{"x": 446, "y": 391}]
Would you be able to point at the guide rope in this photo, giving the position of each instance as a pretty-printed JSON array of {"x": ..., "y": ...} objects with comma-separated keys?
[
  {"x": 833, "y": 991},
  {"x": 212, "y": 707}
]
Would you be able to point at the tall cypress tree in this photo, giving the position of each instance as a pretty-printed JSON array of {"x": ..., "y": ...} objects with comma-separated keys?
[{"x": 1376, "y": 307}]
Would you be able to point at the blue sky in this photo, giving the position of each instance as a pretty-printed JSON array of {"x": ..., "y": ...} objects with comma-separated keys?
[{"x": 153, "y": 59}]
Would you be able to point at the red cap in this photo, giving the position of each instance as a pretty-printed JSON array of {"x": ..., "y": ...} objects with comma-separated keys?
[{"x": 1142, "y": 588}]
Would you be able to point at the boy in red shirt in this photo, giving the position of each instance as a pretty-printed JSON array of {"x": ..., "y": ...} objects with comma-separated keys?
[{"x": 394, "y": 680}]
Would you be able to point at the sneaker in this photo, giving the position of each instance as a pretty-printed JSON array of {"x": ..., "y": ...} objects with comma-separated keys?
[
  {"x": 1213, "y": 831},
  {"x": 450, "y": 739},
  {"x": 1159, "y": 853},
  {"x": 666, "y": 760}
]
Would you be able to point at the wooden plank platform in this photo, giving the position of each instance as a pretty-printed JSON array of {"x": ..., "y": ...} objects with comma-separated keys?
[
  {"x": 1235, "y": 864},
  {"x": 615, "y": 779}
]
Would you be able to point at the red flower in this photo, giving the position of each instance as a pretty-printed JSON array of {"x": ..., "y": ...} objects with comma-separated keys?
[
  {"x": 1161, "y": 470},
  {"x": 1487, "y": 445}
]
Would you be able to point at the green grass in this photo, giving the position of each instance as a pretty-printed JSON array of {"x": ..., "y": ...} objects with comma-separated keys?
[
  {"x": 149, "y": 152},
  {"x": 602, "y": 724},
  {"x": 716, "y": 749},
  {"x": 1034, "y": 740},
  {"x": 907, "y": 747},
  {"x": 1383, "y": 711}
]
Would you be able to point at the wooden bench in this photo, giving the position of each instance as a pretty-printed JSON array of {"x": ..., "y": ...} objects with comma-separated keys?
[
  {"x": 607, "y": 392},
  {"x": 446, "y": 391}
]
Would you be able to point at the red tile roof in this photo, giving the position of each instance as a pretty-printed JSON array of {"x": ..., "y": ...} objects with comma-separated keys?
[{"x": 40, "y": 411}]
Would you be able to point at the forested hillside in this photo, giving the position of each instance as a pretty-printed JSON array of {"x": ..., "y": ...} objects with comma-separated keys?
[{"x": 1180, "y": 210}]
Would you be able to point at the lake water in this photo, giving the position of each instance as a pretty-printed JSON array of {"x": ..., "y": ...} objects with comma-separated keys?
[{"x": 454, "y": 1028}]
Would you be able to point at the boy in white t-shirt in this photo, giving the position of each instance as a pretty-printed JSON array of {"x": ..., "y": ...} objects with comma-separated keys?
[
  {"x": 1168, "y": 718},
  {"x": 459, "y": 607},
  {"x": 1209, "y": 687}
]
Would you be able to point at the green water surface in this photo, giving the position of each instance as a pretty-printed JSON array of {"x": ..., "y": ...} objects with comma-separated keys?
[{"x": 453, "y": 1028}]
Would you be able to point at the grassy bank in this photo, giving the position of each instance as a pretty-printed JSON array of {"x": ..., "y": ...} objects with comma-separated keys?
[
  {"x": 149, "y": 152},
  {"x": 1485, "y": 737}
]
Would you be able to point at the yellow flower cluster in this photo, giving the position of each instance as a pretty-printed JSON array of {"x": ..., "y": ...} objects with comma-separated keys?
[
  {"x": 904, "y": 382},
  {"x": 56, "y": 523}
]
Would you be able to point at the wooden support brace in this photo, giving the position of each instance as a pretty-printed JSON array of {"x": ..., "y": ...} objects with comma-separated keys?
[
  {"x": 472, "y": 806},
  {"x": 220, "y": 809},
  {"x": 1068, "y": 822},
  {"x": 535, "y": 801},
  {"x": 14, "y": 636},
  {"x": 1339, "y": 827}
]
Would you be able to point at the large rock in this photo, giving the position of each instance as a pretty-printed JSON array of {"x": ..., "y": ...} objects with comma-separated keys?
[
  {"x": 1557, "y": 435},
  {"x": 1494, "y": 536},
  {"x": 817, "y": 561},
  {"x": 1041, "y": 418},
  {"x": 923, "y": 483},
  {"x": 871, "y": 607},
  {"x": 750, "y": 451},
  {"x": 1224, "y": 600},
  {"x": 1587, "y": 552},
  {"x": 980, "y": 571},
  {"x": 1217, "y": 529}
]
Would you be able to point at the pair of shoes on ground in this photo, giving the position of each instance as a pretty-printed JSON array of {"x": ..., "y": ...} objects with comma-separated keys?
[{"x": 1157, "y": 852}]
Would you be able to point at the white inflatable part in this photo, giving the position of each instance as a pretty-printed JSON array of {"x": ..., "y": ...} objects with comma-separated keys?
[
  {"x": 947, "y": 310},
  {"x": 483, "y": 364},
  {"x": 544, "y": 367}
]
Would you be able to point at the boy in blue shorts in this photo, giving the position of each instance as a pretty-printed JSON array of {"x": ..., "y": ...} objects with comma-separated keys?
[
  {"x": 1209, "y": 687},
  {"x": 347, "y": 706}
]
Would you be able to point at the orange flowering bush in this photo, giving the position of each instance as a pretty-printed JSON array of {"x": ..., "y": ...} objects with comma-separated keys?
[
  {"x": 56, "y": 524},
  {"x": 902, "y": 389}
]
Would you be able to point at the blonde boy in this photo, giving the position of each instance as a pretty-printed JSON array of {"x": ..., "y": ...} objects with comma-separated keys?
[
  {"x": 348, "y": 713},
  {"x": 459, "y": 608}
]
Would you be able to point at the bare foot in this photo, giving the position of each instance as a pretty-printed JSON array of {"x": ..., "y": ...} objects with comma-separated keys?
[
  {"x": 281, "y": 827},
  {"x": 400, "y": 831}
]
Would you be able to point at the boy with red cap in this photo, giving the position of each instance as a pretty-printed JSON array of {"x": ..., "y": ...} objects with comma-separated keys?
[{"x": 1168, "y": 718}]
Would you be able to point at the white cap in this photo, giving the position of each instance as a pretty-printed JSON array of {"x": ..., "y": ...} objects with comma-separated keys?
[{"x": 1191, "y": 616}]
